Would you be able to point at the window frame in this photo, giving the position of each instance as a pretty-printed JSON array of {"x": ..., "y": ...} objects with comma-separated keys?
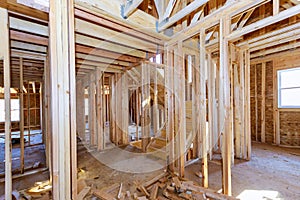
[{"x": 279, "y": 88}]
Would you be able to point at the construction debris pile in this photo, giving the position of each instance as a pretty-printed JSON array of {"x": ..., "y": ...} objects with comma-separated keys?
[{"x": 164, "y": 186}]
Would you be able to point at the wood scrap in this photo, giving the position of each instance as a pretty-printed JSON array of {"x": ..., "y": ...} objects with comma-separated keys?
[
  {"x": 208, "y": 192},
  {"x": 142, "y": 198},
  {"x": 185, "y": 196},
  {"x": 198, "y": 174},
  {"x": 128, "y": 195},
  {"x": 177, "y": 183},
  {"x": 143, "y": 190},
  {"x": 154, "y": 191},
  {"x": 120, "y": 191},
  {"x": 81, "y": 184},
  {"x": 103, "y": 195},
  {"x": 155, "y": 179},
  {"x": 83, "y": 193}
]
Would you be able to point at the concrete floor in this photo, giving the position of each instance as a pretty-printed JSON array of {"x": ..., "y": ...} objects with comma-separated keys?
[{"x": 272, "y": 173}]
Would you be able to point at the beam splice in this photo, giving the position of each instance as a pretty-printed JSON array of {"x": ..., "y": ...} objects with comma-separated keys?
[
  {"x": 167, "y": 22},
  {"x": 129, "y": 7},
  {"x": 4, "y": 54}
]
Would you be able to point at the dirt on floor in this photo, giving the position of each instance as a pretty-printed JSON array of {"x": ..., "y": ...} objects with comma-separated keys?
[{"x": 272, "y": 173}]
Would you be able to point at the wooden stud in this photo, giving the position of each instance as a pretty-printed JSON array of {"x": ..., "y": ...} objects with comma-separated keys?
[
  {"x": 92, "y": 111},
  {"x": 61, "y": 22},
  {"x": 4, "y": 54},
  {"x": 211, "y": 104},
  {"x": 125, "y": 109},
  {"x": 155, "y": 104},
  {"x": 276, "y": 5},
  {"x": 169, "y": 104},
  {"x": 180, "y": 116},
  {"x": 263, "y": 101},
  {"x": 100, "y": 133},
  {"x": 247, "y": 104},
  {"x": 22, "y": 143},
  {"x": 202, "y": 110},
  {"x": 145, "y": 106},
  {"x": 137, "y": 113},
  {"x": 225, "y": 79}
]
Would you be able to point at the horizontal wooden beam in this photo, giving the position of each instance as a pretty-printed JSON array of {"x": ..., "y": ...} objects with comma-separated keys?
[
  {"x": 29, "y": 38},
  {"x": 276, "y": 40},
  {"x": 30, "y": 27},
  {"x": 27, "y": 46},
  {"x": 126, "y": 29},
  {"x": 106, "y": 54},
  {"x": 94, "y": 30},
  {"x": 107, "y": 45},
  {"x": 276, "y": 50},
  {"x": 102, "y": 60},
  {"x": 270, "y": 34}
]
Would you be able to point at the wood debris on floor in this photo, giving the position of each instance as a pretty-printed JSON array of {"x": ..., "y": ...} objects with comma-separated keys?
[
  {"x": 162, "y": 187},
  {"x": 41, "y": 191}
]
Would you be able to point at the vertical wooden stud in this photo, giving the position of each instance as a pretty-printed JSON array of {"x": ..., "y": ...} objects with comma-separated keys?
[
  {"x": 63, "y": 99},
  {"x": 5, "y": 55}
]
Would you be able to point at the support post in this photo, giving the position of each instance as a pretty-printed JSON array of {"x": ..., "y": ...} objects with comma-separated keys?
[
  {"x": 100, "y": 124},
  {"x": 203, "y": 112},
  {"x": 225, "y": 79},
  {"x": 5, "y": 55},
  {"x": 21, "y": 124},
  {"x": 63, "y": 99},
  {"x": 263, "y": 101},
  {"x": 145, "y": 107},
  {"x": 180, "y": 115},
  {"x": 169, "y": 101}
]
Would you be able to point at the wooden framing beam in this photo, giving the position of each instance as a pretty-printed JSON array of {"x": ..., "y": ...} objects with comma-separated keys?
[
  {"x": 99, "y": 110},
  {"x": 276, "y": 5},
  {"x": 264, "y": 22},
  {"x": 225, "y": 79},
  {"x": 231, "y": 7},
  {"x": 263, "y": 101},
  {"x": 160, "y": 5},
  {"x": 4, "y": 54},
  {"x": 167, "y": 22},
  {"x": 180, "y": 112},
  {"x": 21, "y": 124},
  {"x": 129, "y": 7},
  {"x": 270, "y": 34},
  {"x": 202, "y": 105},
  {"x": 169, "y": 9},
  {"x": 92, "y": 109},
  {"x": 245, "y": 18},
  {"x": 61, "y": 23}
]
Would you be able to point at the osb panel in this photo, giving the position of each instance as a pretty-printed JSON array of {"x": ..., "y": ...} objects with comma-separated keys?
[
  {"x": 290, "y": 128},
  {"x": 269, "y": 97}
]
